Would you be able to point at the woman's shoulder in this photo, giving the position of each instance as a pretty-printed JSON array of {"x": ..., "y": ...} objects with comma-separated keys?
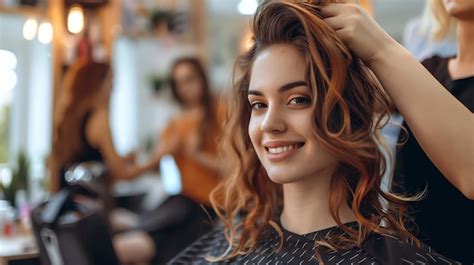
[
  {"x": 178, "y": 124},
  {"x": 377, "y": 249},
  {"x": 392, "y": 250},
  {"x": 212, "y": 244},
  {"x": 438, "y": 67},
  {"x": 434, "y": 60}
]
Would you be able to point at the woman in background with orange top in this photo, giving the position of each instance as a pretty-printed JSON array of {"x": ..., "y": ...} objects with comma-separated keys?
[{"x": 191, "y": 138}]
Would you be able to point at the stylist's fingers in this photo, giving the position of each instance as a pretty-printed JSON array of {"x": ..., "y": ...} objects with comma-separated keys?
[
  {"x": 335, "y": 23},
  {"x": 349, "y": 1},
  {"x": 346, "y": 35},
  {"x": 331, "y": 10},
  {"x": 336, "y": 9}
]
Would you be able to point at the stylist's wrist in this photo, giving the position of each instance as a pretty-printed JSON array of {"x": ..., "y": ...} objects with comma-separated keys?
[{"x": 389, "y": 51}]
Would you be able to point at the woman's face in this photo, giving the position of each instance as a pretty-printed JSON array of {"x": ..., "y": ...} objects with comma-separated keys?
[
  {"x": 460, "y": 9},
  {"x": 281, "y": 123},
  {"x": 188, "y": 84}
]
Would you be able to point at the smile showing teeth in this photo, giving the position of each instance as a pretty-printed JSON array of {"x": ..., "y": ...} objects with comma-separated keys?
[{"x": 283, "y": 149}]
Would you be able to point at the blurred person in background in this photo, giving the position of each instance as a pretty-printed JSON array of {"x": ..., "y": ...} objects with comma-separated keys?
[
  {"x": 419, "y": 40},
  {"x": 81, "y": 126},
  {"x": 82, "y": 132},
  {"x": 445, "y": 218},
  {"x": 191, "y": 138}
]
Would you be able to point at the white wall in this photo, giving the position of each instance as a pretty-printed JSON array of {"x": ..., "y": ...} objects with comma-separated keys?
[{"x": 137, "y": 114}]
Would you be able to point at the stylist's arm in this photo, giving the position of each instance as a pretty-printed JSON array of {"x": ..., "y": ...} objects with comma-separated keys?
[{"x": 441, "y": 124}]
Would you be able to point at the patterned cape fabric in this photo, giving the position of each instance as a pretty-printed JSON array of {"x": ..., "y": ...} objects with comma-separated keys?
[{"x": 300, "y": 249}]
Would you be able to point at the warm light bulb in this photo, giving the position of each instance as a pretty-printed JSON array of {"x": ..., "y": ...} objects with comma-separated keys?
[
  {"x": 45, "y": 32},
  {"x": 29, "y": 29},
  {"x": 75, "y": 19}
]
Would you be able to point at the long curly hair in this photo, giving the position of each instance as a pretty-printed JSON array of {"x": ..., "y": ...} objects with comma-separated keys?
[
  {"x": 345, "y": 122},
  {"x": 83, "y": 85}
]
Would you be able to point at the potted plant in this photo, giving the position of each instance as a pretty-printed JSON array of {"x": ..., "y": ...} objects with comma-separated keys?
[
  {"x": 19, "y": 178},
  {"x": 157, "y": 82}
]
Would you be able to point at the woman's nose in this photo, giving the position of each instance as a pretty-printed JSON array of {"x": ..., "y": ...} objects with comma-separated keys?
[{"x": 273, "y": 122}]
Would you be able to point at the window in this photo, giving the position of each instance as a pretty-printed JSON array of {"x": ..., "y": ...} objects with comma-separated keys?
[{"x": 8, "y": 76}]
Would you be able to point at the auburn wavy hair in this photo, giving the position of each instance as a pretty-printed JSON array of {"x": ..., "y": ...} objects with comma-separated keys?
[
  {"x": 345, "y": 122},
  {"x": 83, "y": 84}
]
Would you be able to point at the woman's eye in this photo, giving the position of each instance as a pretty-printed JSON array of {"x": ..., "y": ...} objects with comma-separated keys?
[
  {"x": 257, "y": 105},
  {"x": 300, "y": 101}
]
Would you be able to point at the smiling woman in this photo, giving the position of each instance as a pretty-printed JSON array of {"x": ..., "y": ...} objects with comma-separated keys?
[
  {"x": 303, "y": 135},
  {"x": 312, "y": 136}
]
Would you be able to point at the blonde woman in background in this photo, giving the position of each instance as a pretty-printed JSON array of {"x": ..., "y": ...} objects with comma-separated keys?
[{"x": 418, "y": 36}]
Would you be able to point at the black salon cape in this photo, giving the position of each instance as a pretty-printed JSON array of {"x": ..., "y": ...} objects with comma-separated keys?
[{"x": 300, "y": 249}]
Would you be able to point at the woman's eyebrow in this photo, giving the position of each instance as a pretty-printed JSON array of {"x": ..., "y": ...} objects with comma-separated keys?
[
  {"x": 291, "y": 85},
  {"x": 254, "y": 92},
  {"x": 283, "y": 88}
]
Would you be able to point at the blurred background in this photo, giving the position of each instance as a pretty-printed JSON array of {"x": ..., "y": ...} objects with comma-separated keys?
[{"x": 41, "y": 39}]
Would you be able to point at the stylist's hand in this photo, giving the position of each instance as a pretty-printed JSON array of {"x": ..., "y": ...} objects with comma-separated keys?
[{"x": 358, "y": 30}]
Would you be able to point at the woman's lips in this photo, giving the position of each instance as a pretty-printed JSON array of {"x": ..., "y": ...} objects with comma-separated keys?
[{"x": 280, "y": 151}]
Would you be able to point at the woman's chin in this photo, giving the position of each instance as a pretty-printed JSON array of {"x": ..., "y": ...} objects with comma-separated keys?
[{"x": 282, "y": 178}]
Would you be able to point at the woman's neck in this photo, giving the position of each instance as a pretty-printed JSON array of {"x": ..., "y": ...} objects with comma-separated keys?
[
  {"x": 463, "y": 64},
  {"x": 196, "y": 111},
  {"x": 306, "y": 206},
  {"x": 194, "y": 107}
]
